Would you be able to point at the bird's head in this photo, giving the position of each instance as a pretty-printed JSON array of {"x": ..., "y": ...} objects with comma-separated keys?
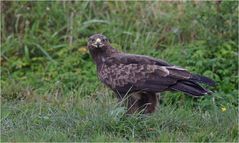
[{"x": 97, "y": 41}]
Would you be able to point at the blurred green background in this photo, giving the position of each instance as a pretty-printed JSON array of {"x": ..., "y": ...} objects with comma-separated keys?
[{"x": 49, "y": 86}]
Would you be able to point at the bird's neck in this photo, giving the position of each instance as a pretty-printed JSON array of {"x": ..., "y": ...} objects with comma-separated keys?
[{"x": 100, "y": 55}]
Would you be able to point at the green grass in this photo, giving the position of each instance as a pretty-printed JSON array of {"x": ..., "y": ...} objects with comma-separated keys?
[
  {"x": 49, "y": 86},
  {"x": 75, "y": 118}
]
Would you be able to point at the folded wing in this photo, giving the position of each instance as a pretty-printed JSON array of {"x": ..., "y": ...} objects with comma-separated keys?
[{"x": 136, "y": 74}]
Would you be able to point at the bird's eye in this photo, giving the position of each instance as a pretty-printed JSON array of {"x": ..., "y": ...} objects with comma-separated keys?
[
  {"x": 104, "y": 40},
  {"x": 92, "y": 40}
]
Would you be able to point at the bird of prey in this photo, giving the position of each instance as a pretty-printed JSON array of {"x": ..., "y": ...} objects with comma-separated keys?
[{"x": 141, "y": 77}]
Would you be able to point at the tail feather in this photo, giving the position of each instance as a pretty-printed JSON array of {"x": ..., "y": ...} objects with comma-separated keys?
[
  {"x": 203, "y": 79},
  {"x": 191, "y": 88}
]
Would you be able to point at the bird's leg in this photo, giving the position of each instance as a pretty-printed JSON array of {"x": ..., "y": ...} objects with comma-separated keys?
[
  {"x": 148, "y": 102},
  {"x": 129, "y": 101},
  {"x": 144, "y": 102},
  {"x": 132, "y": 103},
  {"x": 152, "y": 100}
]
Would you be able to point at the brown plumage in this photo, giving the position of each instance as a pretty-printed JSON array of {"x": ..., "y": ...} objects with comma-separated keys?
[{"x": 141, "y": 77}]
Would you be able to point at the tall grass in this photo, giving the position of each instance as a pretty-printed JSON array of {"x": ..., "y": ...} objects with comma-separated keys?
[{"x": 99, "y": 118}]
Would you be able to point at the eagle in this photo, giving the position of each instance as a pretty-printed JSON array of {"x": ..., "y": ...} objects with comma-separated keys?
[{"x": 140, "y": 78}]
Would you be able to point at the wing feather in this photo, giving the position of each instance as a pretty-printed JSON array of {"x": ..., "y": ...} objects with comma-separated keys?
[
  {"x": 132, "y": 72},
  {"x": 141, "y": 77}
]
